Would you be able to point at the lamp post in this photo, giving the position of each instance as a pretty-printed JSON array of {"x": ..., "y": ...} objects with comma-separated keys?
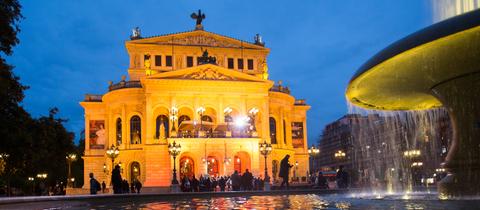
[
  {"x": 265, "y": 150},
  {"x": 70, "y": 158},
  {"x": 313, "y": 152},
  {"x": 112, "y": 153},
  {"x": 173, "y": 118},
  {"x": 201, "y": 111},
  {"x": 42, "y": 177},
  {"x": 174, "y": 150},
  {"x": 296, "y": 170},
  {"x": 31, "y": 179}
]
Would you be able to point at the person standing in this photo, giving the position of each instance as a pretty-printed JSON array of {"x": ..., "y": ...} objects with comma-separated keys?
[
  {"x": 94, "y": 185},
  {"x": 342, "y": 178},
  {"x": 236, "y": 181},
  {"x": 117, "y": 180},
  {"x": 247, "y": 180},
  {"x": 138, "y": 186},
  {"x": 104, "y": 187},
  {"x": 284, "y": 171}
]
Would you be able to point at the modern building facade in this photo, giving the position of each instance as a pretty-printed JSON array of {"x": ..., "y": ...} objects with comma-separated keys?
[
  {"x": 207, "y": 92},
  {"x": 375, "y": 148}
]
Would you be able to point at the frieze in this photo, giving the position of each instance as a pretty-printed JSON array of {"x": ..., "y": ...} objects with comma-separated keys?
[{"x": 201, "y": 41}]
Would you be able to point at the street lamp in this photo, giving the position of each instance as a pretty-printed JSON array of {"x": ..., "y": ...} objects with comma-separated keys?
[
  {"x": 340, "y": 154},
  {"x": 296, "y": 170},
  {"x": 173, "y": 118},
  {"x": 70, "y": 158},
  {"x": 174, "y": 150},
  {"x": 3, "y": 161},
  {"x": 265, "y": 150},
  {"x": 112, "y": 153},
  {"x": 201, "y": 111},
  {"x": 313, "y": 152}
]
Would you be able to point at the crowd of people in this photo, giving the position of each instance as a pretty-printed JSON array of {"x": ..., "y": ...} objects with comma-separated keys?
[
  {"x": 341, "y": 179},
  {"x": 120, "y": 185},
  {"x": 234, "y": 182}
]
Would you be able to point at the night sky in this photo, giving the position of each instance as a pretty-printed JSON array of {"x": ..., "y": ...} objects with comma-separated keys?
[{"x": 70, "y": 48}]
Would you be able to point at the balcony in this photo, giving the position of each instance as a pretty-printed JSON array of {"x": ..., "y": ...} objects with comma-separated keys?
[
  {"x": 93, "y": 98},
  {"x": 124, "y": 84}
]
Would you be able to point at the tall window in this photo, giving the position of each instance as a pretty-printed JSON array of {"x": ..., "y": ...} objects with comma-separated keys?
[
  {"x": 230, "y": 63},
  {"x": 158, "y": 60},
  {"x": 168, "y": 60},
  {"x": 284, "y": 132},
  {"x": 135, "y": 130},
  {"x": 273, "y": 130},
  {"x": 240, "y": 63},
  {"x": 189, "y": 61},
  {"x": 119, "y": 131},
  {"x": 161, "y": 120},
  {"x": 250, "y": 64}
]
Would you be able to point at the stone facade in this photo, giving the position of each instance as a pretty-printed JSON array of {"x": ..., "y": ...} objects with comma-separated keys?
[{"x": 164, "y": 76}]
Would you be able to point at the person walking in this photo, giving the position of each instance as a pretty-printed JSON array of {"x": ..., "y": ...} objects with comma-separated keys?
[
  {"x": 94, "y": 185},
  {"x": 117, "y": 180},
  {"x": 284, "y": 171}
]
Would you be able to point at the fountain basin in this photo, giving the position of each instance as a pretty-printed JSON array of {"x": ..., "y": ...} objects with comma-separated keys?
[{"x": 436, "y": 66}]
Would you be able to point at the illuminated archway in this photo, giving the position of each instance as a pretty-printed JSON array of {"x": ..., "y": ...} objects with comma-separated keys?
[
  {"x": 213, "y": 166},
  {"x": 134, "y": 171},
  {"x": 241, "y": 162},
  {"x": 187, "y": 167}
]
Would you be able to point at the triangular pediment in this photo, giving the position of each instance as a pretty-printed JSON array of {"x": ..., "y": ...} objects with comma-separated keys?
[
  {"x": 207, "y": 72},
  {"x": 197, "y": 38}
]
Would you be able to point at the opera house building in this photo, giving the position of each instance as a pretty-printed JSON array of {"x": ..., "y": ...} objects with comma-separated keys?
[{"x": 207, "y": 92}]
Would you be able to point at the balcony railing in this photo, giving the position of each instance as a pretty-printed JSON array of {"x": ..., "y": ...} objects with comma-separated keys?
[
  {"x": 93, "y": 98},
  {"x": 125, "y": 84},
  {"x": 214, "y": 134}
]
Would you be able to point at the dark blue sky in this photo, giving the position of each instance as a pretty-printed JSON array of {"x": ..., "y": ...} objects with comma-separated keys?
[{"x": 69, "y": 48}]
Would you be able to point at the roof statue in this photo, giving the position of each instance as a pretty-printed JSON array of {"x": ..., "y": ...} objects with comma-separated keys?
[
  {"x": 258, "y": 40},
  {"x": 136, "y": 33},
  {"x": 199, "y": 17},
  {"x": 205, "y": 59}
]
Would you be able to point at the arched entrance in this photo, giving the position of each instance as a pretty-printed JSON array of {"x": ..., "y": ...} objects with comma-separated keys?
[
  {"x": 134, "y": 171},
  {"x": 212, "y": 166},
  {"x": 187, "y": 167},
  {"x": 241, "y": 162}
]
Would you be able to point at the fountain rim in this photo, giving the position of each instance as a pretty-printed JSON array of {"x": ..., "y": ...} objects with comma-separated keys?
[{"x": 426, "y": 35}]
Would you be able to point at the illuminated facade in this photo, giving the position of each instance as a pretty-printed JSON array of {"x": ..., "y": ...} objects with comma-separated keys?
[{"x": 218, "y": 106}]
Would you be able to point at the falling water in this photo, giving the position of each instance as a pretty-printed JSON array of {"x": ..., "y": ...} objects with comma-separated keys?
[{"x": 397, "y": 151}]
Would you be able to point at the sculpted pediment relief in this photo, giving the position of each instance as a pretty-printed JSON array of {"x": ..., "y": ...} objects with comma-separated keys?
[{"x": 208, "y": 74}]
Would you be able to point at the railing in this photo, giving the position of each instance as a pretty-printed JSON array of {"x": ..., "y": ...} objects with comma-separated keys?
[
  {"x": 125, "y": 84},
  {"x": 300, "y": 102},
  {"x": 280, "y": 88},
  {"x": 213, "y": 134},
  {"x": 93, "y": 98}
]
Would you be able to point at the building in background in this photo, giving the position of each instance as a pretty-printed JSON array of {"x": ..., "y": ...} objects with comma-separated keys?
[
  {"x": 207, "y": 92},
  {"x": 443, "y": 9}
]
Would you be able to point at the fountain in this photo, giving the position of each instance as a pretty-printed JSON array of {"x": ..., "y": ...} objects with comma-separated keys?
[{"x": 434, "y": 67}]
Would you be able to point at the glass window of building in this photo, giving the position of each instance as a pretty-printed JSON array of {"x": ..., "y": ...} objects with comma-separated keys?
[
  {"x": 119, "y": 131},
  {"x": 168, "y": 60},
  {"x": 158, "y": 60},
  {"x": 273, "y": 130},
  {"x": 240, "y": 63},
  {"x": 284, "y": 132},
  {"x": 189, "y": 61},
  {"x": 135, "y": 130},
  {"x": 250, "y": 64},
  {"x": 230, "y": 63}
]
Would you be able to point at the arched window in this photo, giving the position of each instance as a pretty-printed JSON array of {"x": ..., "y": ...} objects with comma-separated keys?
[
  {"x": 134, "y": 172},
  {"x": 119, "y": 131},
  {"x": 161, "y": 120},
  {"x": 284, "y": 132},
  {"x": 206, "y": 118},
  {"x": 135, "y": 130},
  {"x": 183, "y": 118},
  {"x": 273, "y": 130}
]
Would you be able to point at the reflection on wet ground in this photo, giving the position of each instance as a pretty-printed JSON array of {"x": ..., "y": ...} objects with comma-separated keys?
[{"x": 309, "y": 201}]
